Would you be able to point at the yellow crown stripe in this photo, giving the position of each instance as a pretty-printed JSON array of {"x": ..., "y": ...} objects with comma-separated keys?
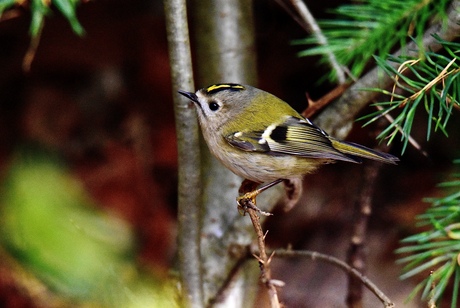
[{"x": 224, "y": 86}]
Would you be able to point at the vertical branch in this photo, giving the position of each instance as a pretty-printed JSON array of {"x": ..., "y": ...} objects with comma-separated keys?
[
  {"x": 188, "y": 154},
  {"x": 224, "y": 44},
  {"x": 355, "y": 256}
]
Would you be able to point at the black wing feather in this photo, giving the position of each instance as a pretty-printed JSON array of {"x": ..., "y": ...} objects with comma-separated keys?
[{"x": 295, "y": 136}]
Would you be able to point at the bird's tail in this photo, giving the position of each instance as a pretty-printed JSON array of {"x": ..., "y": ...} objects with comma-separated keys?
[{"x": 353, "y": 149}]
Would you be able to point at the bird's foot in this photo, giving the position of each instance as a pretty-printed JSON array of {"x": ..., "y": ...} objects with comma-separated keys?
[
  {"x": 249, "y": 191},
  {"x": 248, "y": 202}
]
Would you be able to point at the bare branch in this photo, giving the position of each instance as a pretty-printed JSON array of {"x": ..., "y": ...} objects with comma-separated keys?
[
  {"x": 356, "y": 255},
  {"x": 264, "y": 261},
  {"x": 313, "y": 255},
  {"x": 188, "y": 154}
]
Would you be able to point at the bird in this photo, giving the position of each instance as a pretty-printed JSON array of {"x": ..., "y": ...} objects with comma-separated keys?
[{"x": 263, "y": 139}]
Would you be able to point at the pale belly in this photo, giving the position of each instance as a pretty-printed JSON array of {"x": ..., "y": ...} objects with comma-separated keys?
[{"x": 261, "y": 168}]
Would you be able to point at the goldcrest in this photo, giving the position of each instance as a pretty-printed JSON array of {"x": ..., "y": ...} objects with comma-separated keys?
[{"x": 261, "y": 138}]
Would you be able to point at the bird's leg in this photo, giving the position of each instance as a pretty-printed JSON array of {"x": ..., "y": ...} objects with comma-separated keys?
[{"x": 249, "y": 193}]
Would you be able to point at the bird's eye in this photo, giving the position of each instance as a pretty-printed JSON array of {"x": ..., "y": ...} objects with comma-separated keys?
[{"x": 213, "y": 106}]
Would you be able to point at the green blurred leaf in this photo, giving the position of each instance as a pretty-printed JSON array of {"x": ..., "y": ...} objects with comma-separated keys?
[
  {"x": 68, "y": 9},
  {"x": 38, "y": 10},
  {"x": 6, "y": 4},
  {"x": 48, "y": 223}
]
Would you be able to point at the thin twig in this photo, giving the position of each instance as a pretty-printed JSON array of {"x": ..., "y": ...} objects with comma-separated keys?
[
  {"x": 390, "y": 119},
  {"x": 313, "y": 255},
  {"x": 189, "y": 195},
  {"x": 32, "y": 50},
  {"x": 315, "y": 106},
  {"x": 310, "y": 21},
  {"x": 248, "y": 206},
  {"x": 264, "y": 261}
]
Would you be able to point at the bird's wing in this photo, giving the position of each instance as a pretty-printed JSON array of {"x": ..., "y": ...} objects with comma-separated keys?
[{"x": 294, "y": 136}]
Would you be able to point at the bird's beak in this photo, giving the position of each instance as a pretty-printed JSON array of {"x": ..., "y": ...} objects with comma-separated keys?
[{"x": 189, "y": 95}]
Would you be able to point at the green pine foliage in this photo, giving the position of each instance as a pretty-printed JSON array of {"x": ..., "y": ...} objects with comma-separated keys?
[
  {"x": 40, "y": 9},
  {"x": 370, "y": 30},
  {"x": 433, "y": 86},
  {"x": 434, "y": 253},
  {"x": 372, "y": 27}
]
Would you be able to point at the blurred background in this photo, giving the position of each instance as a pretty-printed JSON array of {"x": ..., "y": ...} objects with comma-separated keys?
[{"x": 88, "y": 166}]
